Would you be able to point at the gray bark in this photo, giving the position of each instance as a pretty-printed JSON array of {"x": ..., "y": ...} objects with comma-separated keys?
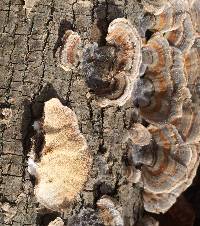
[{"x": 29, "y": 76}]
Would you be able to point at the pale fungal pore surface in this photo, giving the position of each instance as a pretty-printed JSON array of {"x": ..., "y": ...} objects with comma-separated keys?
[
  {"x": 70, "y": 51},
  {"x": 57, "y": 222},
  {"x": 109, "y": 213},
  {"x": 172, "y": 171},
  {"x": 65, "y": 162}
]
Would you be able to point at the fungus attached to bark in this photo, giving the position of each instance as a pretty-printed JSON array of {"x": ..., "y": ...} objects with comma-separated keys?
[
  {"x": 116, "y": 86},
  {"x": 109, "y": 213},
  {"x": 184, "y": 36},
  {"x": 165, "y": 73},
  {"x": 70, "y": 51},
  {"x": 195, "y": 16},
  {"x": 189, "y": 124},
  {"x": 168, "y": 14},
  {"x": 139, "y": 135},
  {"x": 154, "y": 6},
  {"x": 65, "y": 162},
  {"x": 172, "y": 171},
  {"x": 192, "y": 72}
]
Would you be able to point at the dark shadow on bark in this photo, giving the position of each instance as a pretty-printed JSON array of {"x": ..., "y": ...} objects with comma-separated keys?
[
  {"x": 63, "y": 27},
  {"x": 33, "y": 111},
  {"x": 46, "y": 218}
]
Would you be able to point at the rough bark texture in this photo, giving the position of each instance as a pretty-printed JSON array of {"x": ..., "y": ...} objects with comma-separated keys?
[{"x": 30, "y": 75}]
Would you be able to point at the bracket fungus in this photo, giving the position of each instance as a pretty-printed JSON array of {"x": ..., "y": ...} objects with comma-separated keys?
[
  {"x": 139, "y": 135},
  {"x": 70, "y": 51},
  {"x": 168, "y": 169},
  {"x": 109, "y": 213},
  {"x": 195, "y": 16},
  {"x": 192, "y": 72},
  {"x": 165, "y": 73},
  {"x": 65, "y": 161},
  {"x": 184, "y": 36},
  {"x": 189, "y": 124},
  {"x": 168, "y": 14},
  {"x": 119, "y": 82}
]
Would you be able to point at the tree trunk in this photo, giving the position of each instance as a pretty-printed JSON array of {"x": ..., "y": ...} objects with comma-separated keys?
[{"x": 30, "y": 75}]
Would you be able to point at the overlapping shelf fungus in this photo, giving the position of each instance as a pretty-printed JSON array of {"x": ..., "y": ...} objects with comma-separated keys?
[{"x": 160, "y": 76}]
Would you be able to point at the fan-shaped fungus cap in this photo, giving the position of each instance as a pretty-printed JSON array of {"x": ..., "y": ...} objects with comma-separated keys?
[
  {"x": 158, "y": 203},
  {"x": 189, "y": 124},
  {"x": 195, "y": 16},
  {"x": 109, "y": 212},
  {"x": 57, "y": 222},
  {"x": 70, "y": 51},
  {"x": 165, "y": 72},
  {"x": 154, "y": 6},
  {"x": 192, "y": 72},
  {"x": 171, "y": 159},
  {"x": 183, "y": 37},
  {"x": 139, "y": 135},
  {"x": 65, "y": 162},
  {"x": 173, "y": 169},
  {"x": 120, "y": 81}
]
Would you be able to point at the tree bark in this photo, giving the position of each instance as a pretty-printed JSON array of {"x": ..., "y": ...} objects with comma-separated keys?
[{"x": 29, "y": 76}]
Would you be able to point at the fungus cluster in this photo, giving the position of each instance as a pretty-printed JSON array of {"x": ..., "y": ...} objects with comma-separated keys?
[
  {"x": 115, "y": 86},
  {"x": 162, "y": 77},
  {"x": 65, "y": 162},
  {"x": 167, "y": 96}
]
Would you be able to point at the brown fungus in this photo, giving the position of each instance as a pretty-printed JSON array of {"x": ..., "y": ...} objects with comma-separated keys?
[
  {"x": 171, "y": 171},
  {"x": 155, "y": 7},
  {"x": 195, "y": 16},
  {"x": 65, "y": 162},
  {"x": 189, "y": 124},
  {"x": 192, "y": 72},
  {"x": 162, "y": 202},
  {"x": 165, "y": 73},
  {"x": 116, "y": 86},
  {"x": 168, "y": 14},
  {"x": 70, "y": 51},
  {"x": 184, "y": 36},
  {"x": 109, "y": 212},
  {"x": 139, "y": 135}
]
